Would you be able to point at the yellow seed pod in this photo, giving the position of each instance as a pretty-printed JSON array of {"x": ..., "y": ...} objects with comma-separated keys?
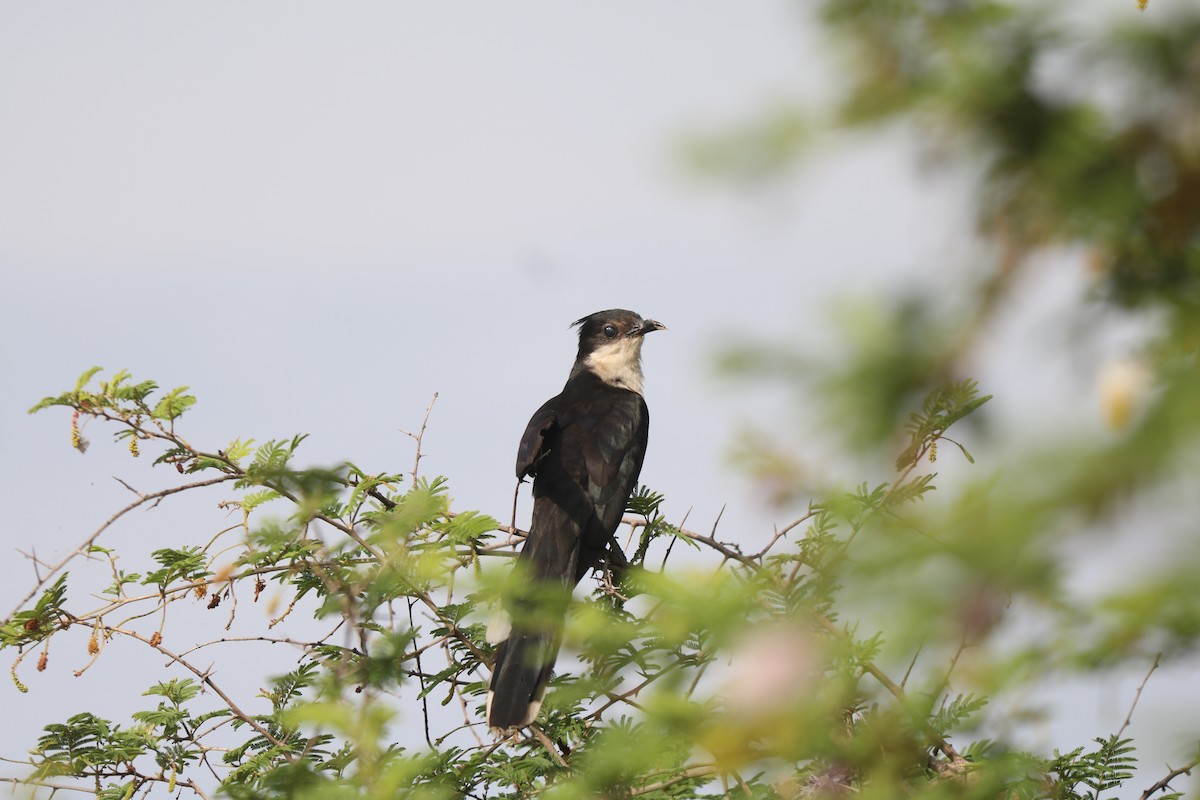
[
  {"x": 133, "y": 446},
  {"x": 94, "y": 642},
  {"x": 933, "y": 451},
  {"x": 22, "y": 688}
]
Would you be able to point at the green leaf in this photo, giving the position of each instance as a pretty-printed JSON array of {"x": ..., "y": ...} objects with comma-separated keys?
[
  {"x": 469, "y": 527},
  {"x": 173, "y": 405},
  {"x": 253, "y": 500},
  {"x": 185, "y": 564},
  {"x": 177, "y": 690},
  {"x": 236, "y": 450},
  {"x": 86, "y": 378}
]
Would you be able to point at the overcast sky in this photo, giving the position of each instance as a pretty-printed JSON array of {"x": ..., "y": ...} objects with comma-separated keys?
[{"x": 317, "y": 216}]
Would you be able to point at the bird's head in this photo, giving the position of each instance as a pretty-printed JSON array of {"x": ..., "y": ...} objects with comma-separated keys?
[{"x": 610, "y": 345}]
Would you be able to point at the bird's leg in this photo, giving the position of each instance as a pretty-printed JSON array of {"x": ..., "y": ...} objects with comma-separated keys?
[{"x": 613, "y": 570}]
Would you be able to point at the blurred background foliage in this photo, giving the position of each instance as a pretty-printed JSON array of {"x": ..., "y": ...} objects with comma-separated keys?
[
  {"x": 882, "y": 642},
  {"x": 1079, "y": 141}
]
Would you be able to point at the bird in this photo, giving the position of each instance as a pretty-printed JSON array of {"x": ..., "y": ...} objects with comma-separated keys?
[{"x": 584, "y": 450}]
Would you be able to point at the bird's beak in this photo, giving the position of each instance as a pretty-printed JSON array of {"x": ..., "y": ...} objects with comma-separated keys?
[{"x": 649, "y": 325}]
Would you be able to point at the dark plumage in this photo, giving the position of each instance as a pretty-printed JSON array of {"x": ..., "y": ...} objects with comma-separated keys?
[{"x": 584, "y": 450}]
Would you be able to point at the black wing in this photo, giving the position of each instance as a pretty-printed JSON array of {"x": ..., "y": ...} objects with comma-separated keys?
[
  {"x": 613, "y": 453},
  {"x": 532, "y": 446}
]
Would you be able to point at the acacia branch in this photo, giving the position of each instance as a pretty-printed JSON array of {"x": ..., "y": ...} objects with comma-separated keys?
[
  {"x": 1165, "y": 783},
  {"x": 84, "y": 547},
  {"x": 786, "y": 529},
  {"x": 206, "y": 678},
  {"x": 1138, "y": 695},
  {"x": 729, "y": 551},
  {"x": 419, "y": 438},
  {"x": 267, "y": 639}
]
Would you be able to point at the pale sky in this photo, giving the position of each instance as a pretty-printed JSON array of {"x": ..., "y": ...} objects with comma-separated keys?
[{"x": 317, "y": 216}]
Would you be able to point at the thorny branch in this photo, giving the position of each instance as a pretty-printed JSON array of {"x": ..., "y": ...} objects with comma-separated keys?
[
  {"x": 1165, "y": 783},
  {"x": 1138, "y": 695},
  {"x": 206, "y": 678},
  {"x": 84, "y": 547},
  {"x": 419, "y": 438}
]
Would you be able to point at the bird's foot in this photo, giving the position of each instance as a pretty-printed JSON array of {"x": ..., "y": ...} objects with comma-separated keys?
[{"x": 610, "y": 588}]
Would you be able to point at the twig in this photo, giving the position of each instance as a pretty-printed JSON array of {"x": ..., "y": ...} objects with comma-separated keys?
[
  {"x": 191, "y": 784},
  {"x": 730, "y": 552},
  {"x": 614, "y": 698},
  {"x": 691, "y": 690},
  {"x": 54, "y": 787},
  {"x": 267, "y": 639},
  {"x": 462, "y": 699},
  {"x": 421, "y": 677},
  {"x": 206, "y": 678},
  {"x": 911, "y": 664},
  {"x": 786, "y": 529},
  {"x": 419, "y": 437},
  {"x": 452, "y": 627},
  {"x": 945, "y": 683},
  {"x": 546, "y": 743},
  {"x": 1138, "y": 695},
  {"x": 687, "y": 774},
  {"x": 674, "y": 538},
  {"x": 87, "y": 543},
  {"x": 1165, "y": 783}
]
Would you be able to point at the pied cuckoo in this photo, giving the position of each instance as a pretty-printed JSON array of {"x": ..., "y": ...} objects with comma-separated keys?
[{"x": 584, "y": 450}]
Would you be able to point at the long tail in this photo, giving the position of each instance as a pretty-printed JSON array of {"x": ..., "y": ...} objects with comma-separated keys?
[
  {"x": 524, "y": 661},
  {"x": 528, "y": 639}
]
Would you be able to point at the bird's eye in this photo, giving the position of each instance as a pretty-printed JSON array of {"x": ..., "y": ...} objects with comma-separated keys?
[{"x": 610, "y": 331}]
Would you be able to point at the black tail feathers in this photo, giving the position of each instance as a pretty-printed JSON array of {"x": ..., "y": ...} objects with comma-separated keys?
[{"x": 524, "y": 662}]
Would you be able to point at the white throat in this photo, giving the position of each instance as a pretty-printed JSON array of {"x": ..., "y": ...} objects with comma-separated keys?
[{"x": 618, "y": 363}]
